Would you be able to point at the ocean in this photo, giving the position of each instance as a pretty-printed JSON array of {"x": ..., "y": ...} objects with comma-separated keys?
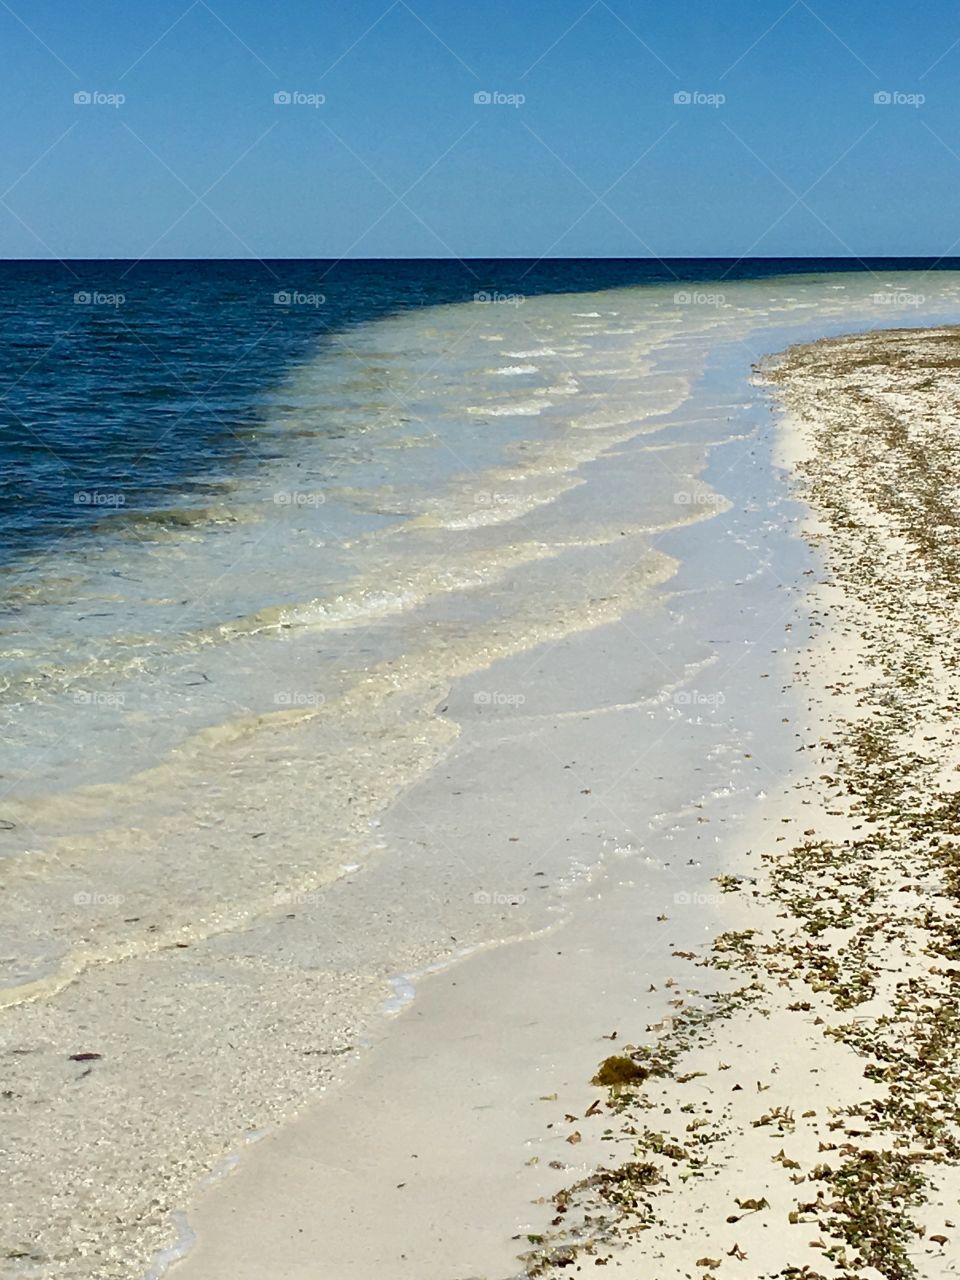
[
  {"x": 279, "y": 541},
  {"x": 140, "y": 388},
  {"x": 190, "y": 451}
]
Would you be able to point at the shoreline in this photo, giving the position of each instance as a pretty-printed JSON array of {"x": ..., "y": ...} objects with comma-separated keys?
[
  {"x": 494, "y": 848},
  {"x": 841, "y": 1155},
  {"x": 533, "y": 985},
  {"x": 792, "y": 1111}
]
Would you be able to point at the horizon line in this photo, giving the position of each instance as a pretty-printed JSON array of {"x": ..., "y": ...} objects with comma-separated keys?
[{"x": 727, "y": 258}]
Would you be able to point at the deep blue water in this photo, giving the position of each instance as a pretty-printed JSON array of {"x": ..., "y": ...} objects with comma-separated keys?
[{"x": 147, "y": 380}]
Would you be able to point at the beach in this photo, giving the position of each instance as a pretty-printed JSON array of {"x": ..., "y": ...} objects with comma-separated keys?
[
  {"x": 623, "y": 731},
  {"x": 839, "y": 1157},
  {"x": 792, "y": 1108}
]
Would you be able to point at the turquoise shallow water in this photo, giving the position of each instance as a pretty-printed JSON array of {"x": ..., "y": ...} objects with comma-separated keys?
[
  {"x": 435, "y": 489},
  {"x": 130, "y": 388},
  {"x": 443, "y": 488},
  {"x": 200, "y": 471},
  {"x": 243, "y": 727}
]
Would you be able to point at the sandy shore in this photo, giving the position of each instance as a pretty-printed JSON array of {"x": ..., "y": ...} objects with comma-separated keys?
[
  {"x": 784, "y": 1058},
  {"x": 805, "y": 1123},
  {"x": 651, "y": 820}
]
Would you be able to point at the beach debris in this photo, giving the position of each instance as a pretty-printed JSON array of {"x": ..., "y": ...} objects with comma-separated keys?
[
  {"x": 753, "y": 1204},
  {"x": 619, "y": 1070},
  {"x": 857, "y": 937}
]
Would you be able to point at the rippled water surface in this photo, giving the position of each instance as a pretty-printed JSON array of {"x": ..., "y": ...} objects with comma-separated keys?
[
  {"x": 353, "y": 618},
  {"x": 262, "y": 513}
]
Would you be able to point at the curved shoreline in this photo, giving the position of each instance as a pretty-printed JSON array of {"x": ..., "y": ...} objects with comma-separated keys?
[
  {"x": 462, "y": 1010},
  {"x": 841, "y": 1001},
  {"x": 312, "y": 975}
]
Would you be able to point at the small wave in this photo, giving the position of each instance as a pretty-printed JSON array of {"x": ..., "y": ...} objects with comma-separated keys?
[
  {"x": 508, "y": 508},
  {"x": 511, "y": 369},
  {"x": 603, "y": 421},
  {"x": 183, "y": 1243},
  {"x": 177, "y": 518},
  {"x": 521, "y": 409}
]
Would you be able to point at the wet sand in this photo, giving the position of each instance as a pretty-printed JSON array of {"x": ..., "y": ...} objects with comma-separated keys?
[
  {"x": 580, "y": 789},
  {"x": 806, "y": 1122},
  {"x": 439, "y": 1155},
  {"x": 790, "y": 1046}
]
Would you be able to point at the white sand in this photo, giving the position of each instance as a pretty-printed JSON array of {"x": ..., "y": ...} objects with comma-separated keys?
[
  {"x": 438, "y": 1155},
  {"x": 657, "y": 744},
  {"x": 435, "y": 1158}
]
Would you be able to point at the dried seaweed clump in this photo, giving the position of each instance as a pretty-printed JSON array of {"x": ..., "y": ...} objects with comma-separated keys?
[{"x": 619, "y": 1070}]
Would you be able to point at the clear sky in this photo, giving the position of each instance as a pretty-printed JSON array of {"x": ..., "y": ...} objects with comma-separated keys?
[{"x": 782, "y": 150}]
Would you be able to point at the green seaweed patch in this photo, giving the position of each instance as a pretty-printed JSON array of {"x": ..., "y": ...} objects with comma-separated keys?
[{"x": 618, "y": 1070}]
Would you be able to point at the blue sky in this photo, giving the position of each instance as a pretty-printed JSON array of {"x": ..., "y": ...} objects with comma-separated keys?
[{"x": 782, "y": 150}]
